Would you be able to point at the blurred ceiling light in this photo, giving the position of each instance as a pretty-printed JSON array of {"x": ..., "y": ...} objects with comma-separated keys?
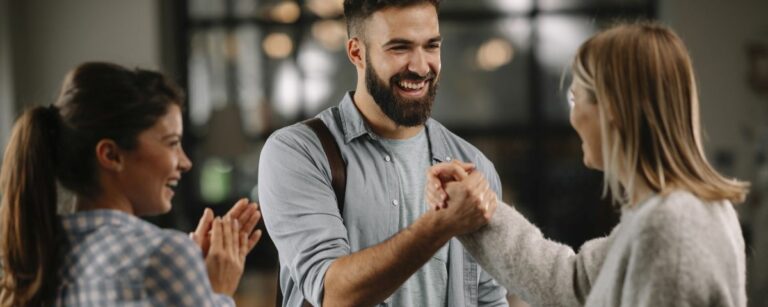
[
  {"x": 199, "y": 88},
  {"x": 286, "y": 89},
  {"x": 318, "y": 67},
  {"x": 330, "y": 33},
  {"x": 559, "y": 37},
  {"x": 559, "y": 4},
  {"x": 286, "y": 12},
  {"x": 517, "y": 31},
  {"x": 494, "y": 53},
  {"x": 277, "y": 45},
  {"x": 326, "y": 8},
  {"x": 514, "y": 6}
]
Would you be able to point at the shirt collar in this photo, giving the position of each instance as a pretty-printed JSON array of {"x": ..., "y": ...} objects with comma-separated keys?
[
  {"x": 86, "y": 221},
  {"x": 354, "y": 126},
  {"x": 438, "y": 141},
  {"x": 353, "y": 122}
]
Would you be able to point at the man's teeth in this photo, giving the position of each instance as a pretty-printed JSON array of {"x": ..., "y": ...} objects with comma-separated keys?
[
  {"x": 412, "y": 85},
  {"x": 173, "y": 183}
]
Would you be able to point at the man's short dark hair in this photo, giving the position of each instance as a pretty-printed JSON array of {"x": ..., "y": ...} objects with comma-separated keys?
[{"x": 357, "y": 11}]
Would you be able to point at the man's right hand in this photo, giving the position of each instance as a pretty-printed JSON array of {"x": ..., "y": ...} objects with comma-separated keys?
[{"x": 464, "y": 201}]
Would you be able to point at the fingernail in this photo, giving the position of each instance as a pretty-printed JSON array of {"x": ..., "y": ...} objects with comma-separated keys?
[{"x": 237, "y": 224}]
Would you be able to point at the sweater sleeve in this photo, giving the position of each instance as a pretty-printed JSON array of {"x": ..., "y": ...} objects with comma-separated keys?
[{"x": 542, "y": 272}]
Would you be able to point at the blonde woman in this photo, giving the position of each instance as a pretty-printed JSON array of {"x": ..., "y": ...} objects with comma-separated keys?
[{"x": 634, "y": 106}]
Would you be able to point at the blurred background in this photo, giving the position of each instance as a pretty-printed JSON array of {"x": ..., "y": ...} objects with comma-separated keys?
[{"x": 253, "y": 66}]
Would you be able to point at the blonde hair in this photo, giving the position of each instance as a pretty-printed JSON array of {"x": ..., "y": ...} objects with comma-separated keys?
[{"x": 641, "y": 77}]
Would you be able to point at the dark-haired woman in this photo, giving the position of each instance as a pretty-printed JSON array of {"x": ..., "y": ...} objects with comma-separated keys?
[{"x": 113, "y": 138}]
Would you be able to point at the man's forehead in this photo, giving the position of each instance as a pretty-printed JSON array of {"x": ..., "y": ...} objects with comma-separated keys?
[{"x": 415, "y": 22}]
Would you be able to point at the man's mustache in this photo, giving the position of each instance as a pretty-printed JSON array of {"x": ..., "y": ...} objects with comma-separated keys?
[{"x": 412, "y": 76}]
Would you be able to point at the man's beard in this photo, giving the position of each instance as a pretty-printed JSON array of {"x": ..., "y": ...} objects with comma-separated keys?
[{"x": 403, "y": 111}]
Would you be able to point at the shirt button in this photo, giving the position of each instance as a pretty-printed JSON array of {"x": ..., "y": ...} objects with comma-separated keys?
[
  {"x": 387, "y": 158},
  {"x": 395, "y": 202}
]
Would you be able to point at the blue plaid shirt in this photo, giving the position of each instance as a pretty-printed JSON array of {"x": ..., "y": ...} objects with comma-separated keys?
[{"x": 116, "y": 259}]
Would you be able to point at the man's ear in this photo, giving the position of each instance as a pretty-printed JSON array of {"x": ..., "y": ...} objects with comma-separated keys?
[
  {"x": 109, "y": 156},
  {"x": 356, "y": 52}
]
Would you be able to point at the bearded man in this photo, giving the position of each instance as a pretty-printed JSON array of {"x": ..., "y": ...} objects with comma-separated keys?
[{"x": 385, "y": 248}]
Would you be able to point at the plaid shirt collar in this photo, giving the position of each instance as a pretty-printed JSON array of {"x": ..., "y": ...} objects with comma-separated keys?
[{"x": 87, "y": 221}]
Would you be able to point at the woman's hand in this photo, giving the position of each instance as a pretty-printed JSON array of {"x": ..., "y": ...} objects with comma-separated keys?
[
  {"x": 247, "y": 214},
  {"x": 202, "y": 234},
  {"x": 226, "y": 257}
]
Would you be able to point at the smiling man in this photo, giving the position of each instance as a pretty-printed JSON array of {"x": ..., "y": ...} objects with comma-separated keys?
[{"x": 386, "y": 247}]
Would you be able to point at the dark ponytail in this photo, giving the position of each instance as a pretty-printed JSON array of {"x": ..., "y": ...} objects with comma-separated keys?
[{"x": 28, "y": 221}]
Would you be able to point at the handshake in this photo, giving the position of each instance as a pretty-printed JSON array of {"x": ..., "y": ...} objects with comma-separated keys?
[{"x": 461, "y": 196}]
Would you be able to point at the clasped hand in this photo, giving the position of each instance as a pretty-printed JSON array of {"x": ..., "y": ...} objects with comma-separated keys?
[{"x": 460, "y": 191}]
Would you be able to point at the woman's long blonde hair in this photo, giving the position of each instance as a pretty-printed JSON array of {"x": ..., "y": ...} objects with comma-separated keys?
[{"x": 641, "y": 77}]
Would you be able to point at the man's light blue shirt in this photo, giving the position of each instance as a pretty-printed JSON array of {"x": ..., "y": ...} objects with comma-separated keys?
[{"x": 303, "y": 219}]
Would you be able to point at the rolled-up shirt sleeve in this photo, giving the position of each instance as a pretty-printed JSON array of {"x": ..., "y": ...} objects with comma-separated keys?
[{"x": 300, "y": 208}]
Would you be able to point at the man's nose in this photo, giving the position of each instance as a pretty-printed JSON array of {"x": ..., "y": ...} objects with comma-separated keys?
[{"x": 419, "y": 64}]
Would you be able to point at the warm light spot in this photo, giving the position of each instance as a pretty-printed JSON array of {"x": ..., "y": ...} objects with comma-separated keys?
[
  {"x": 330, "y": 33},
  {"x": 277, "y": 45},
  {"x": 326, "y": 8},
  {"x": 286, "y": 12},
  {"x": 494, "y": 54}
]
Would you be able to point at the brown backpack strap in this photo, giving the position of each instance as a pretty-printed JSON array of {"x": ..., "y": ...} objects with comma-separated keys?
[
  {"x": 338, "y": 178},
  {"x": 333, "y": 154}
]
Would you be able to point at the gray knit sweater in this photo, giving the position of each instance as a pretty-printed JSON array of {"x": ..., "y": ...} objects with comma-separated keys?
[{"x": 672, "y": 250}]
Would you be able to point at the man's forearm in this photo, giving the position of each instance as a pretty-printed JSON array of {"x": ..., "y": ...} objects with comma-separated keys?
[{"x": 371, "y": 275}]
